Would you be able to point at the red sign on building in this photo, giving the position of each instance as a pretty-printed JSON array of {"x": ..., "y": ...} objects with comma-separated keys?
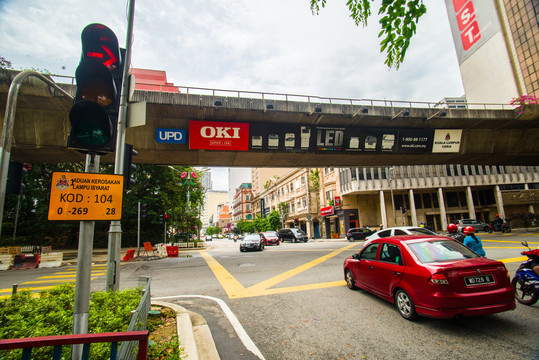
[
  {"x": 468, "y": 27},
  {"x": 325, "y": 211},
  {"x": 216, "y": 135},
  {"x": 338, "y": 201}
]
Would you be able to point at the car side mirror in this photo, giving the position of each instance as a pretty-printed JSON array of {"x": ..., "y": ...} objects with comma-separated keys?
[{"x": 355, "y": 256}]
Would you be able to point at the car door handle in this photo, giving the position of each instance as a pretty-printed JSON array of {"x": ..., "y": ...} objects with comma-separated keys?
[
  {"x": 396, "y": 273},
  {"x": 371, "y": 267}
]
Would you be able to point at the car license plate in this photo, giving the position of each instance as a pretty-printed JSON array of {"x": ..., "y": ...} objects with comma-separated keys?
[{"x": 479, "y": 280}]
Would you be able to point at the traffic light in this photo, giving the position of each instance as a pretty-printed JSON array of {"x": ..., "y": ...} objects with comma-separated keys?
[
  {"x": 129, "y": 167},
  {"x": 94, "y": 115},
  {"x": 144, "y": 210},
  {"x": 403, "y": 210},
  {"x": 161, "y": 218},
  {"x": 15, "y": 175},
  {"x": 166, "y": 217}
]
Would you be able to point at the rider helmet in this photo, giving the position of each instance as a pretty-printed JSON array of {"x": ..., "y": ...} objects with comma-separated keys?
[
  {"x": 469, "y": 230},
  {"x": 451, "y": 228}
]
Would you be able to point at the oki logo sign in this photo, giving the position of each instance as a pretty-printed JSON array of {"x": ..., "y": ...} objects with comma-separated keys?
[
  {"x": 468, "y": 27},
  {"x": 328, "y": 210},
  {"x": 214, "y": 135}
]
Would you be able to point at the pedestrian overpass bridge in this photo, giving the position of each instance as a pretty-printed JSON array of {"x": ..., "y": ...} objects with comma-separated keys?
[{"x": 208, "y": 127}]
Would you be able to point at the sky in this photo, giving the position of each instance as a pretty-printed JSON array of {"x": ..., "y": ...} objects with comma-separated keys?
[{"x": 249, "y": 45}]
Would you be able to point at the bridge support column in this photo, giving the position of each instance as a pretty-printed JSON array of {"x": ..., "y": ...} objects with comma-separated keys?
[
  {"x": 469, "y": 201},
  {"x": 443, "y": 214},
  {"x": 383, "y": 213}
]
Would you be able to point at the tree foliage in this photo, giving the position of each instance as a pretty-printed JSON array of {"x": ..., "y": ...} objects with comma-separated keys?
[
  {"x": 398, "y": 21},
  {"x": 160, "y": 187}
]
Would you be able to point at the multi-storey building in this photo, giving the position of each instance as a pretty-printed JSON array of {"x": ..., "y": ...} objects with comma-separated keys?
[
  {"x": 241, "y": 205},
  {"x": 436, "y": 194},
  {"x": 299, "y": 195},
  {"x": 222, "y": 217},
  {"x": 211, "y": 200}
]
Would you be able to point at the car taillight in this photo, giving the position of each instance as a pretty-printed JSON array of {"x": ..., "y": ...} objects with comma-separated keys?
[{"x": 439, "y": 279}]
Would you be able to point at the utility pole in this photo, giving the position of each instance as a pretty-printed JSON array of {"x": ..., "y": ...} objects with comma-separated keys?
[{"x": 392, "y": 200}]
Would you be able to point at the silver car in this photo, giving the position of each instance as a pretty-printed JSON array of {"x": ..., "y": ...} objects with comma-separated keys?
[
  {"x": 476, "y": 224},
  {"x": 252, "y": 242}
]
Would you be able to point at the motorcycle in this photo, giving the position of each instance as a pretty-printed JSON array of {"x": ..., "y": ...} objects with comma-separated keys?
[
  {"x": 526, "y": 281},
  {"x": 504, "y": 227}
]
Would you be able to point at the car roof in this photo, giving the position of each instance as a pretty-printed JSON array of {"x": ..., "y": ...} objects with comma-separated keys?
[{"x": 410, "y": 238}]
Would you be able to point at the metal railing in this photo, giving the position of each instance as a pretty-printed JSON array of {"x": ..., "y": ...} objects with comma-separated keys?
[
  {"x": 27, "y": 344},
  {"x": 277, "y": 96},
  {"x": 128, "y": 349}
]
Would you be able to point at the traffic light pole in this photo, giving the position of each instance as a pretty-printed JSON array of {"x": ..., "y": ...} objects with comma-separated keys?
[
  {"x": 81, "y": 306},
  {"x": 115, "y": 230}
]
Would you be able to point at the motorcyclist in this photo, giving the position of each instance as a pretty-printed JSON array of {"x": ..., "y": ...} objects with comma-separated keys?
[
  {"x": 497, "y": 223},
  {"x": 452, "y": 229},
  {"x": 472, "y": 241}
]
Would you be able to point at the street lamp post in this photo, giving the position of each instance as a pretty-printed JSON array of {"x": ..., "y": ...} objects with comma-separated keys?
[{"x": 392, "y": 200}]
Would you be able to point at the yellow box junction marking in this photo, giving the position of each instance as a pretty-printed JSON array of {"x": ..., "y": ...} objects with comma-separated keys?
[{"x": 235, "y": 289}]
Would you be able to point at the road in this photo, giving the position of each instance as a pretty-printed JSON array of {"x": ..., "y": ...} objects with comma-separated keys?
[{"x": 293, "y": 304}]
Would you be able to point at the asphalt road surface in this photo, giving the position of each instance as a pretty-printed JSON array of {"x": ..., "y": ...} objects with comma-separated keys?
[{"x": 292, "y": 302}]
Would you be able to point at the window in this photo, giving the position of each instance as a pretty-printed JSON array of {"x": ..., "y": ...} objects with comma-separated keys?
[
  {"x": 391, "y": 253},
  {"x": 370, "y": 252},
  {"x": 384, "y": 233}
]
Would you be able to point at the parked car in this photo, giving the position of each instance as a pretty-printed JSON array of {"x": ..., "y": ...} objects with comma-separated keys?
[
  {"x": 401, "y": 230},
  {"x": 270, "y": 238},
  {"x": 252, "y": 242},
  {"x": 293, "y": 235},
  {"x": 209, "y": 238},
  {"x": 431, "y": 276},
  {"x": 358, "y": 233},
  {"x": 476, "y": 224}
]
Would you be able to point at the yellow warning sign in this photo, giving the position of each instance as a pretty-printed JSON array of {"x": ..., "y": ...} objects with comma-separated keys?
[{"x": 85, "y": 196}]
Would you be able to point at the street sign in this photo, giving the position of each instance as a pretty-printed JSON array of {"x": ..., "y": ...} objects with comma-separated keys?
[{"x": 85, "y": 196}]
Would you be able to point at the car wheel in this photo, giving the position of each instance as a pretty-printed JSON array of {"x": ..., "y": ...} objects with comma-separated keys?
[
  {"x": 293, "y": 239},
  {"x": 261, "y": 247},
  {"x": 405, "y": 305},
  {"x": 350, "y": 280},
  {"x": 488, "y": 229},
  {"x": 242, "y": 249}
]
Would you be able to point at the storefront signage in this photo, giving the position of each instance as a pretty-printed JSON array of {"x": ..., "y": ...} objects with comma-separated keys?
[
  {"x": 325, "y": 211},
  {"x": 521, "y": 197},
  {"x": 338, "y": 201},
  {"x": 85, "y": 196}
]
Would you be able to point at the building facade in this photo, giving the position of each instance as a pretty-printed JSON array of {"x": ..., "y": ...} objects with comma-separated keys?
[
  {"x": 241, "y": 205},
  {"x": 295, "y": 195},
  {"x": 435, "y": 195},
  {"x": 496, "y": 44}
]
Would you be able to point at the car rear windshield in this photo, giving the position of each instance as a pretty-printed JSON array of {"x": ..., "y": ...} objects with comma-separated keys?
[
  {"x": 421, "y": 231},
  {"x": 441, "y": 250},
  {"x": 298, "y": 231}
]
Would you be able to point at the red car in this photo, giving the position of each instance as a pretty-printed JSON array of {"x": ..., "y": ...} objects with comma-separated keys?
[
  {"x": 430, "y": 276},
  {"x": 270, "y": 238}
]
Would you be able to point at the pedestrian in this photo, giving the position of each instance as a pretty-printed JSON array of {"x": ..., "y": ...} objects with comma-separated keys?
[{"x": 472, "y": 241}]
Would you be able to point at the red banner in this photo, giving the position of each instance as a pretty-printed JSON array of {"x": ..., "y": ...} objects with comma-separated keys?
[
  {"x": 325, "y": 211},
  {"x": 216, "y": 135}
]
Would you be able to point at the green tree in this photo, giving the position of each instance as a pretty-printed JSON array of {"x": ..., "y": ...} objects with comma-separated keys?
[
  {"x": 261, "y": 224},
  {"x": 398, "y": 21},
  {"x": 5, "y": 64},
  {"x": 274, "y": 220},
  {"x": 245, "y": 226}
]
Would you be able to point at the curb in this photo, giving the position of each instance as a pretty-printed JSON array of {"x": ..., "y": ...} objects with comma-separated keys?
[{"x": 193, "y": 332}]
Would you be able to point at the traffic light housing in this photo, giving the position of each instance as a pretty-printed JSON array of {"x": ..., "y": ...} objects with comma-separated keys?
[
  {"x": 403, "y": 210},
  {"x": 161, "y": 218},
  {"x": 94, "y": 115},
  {"x": 15, "y": 176},
  {"x": 144, "y": 210},
  {"x": 129, "y": 167}
]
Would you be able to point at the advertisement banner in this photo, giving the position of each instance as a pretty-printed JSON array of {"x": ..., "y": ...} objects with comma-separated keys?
[
  {"x": 216, "y": 135},
  {"x": 325, "y": 211}
]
